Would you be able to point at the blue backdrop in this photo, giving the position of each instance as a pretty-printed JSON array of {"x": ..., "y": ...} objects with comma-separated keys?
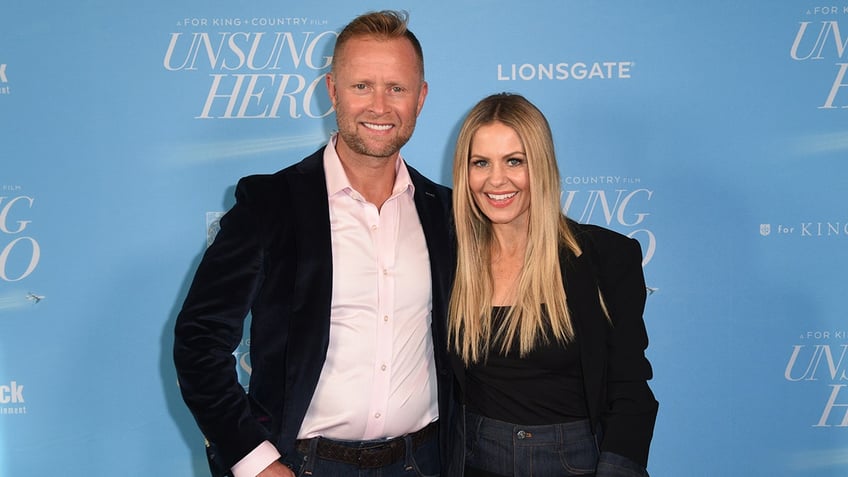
[{"x": 713, "y": 132}]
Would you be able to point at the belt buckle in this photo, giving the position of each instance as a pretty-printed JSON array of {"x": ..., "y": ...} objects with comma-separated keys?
[{"x": 380, "y": 455}]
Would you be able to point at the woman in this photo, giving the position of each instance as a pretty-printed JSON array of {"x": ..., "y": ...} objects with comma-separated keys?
[{"x": 546, "y": 322}]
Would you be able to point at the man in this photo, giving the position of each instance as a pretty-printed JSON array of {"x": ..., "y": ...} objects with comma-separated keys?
[{"x": 344, "y": 261}]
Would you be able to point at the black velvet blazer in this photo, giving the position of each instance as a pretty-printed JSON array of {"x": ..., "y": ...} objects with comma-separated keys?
[{"x": 272, "y": 257}]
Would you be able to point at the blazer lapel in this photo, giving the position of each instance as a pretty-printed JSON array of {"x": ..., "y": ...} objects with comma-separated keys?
[
  {"x": 434, "y": 215},
  {"x": 581, "y": 291},
  {"x": 311, "y": 255}
]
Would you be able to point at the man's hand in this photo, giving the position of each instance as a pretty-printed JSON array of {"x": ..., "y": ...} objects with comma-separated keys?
[{"x": 276, "y": 469}]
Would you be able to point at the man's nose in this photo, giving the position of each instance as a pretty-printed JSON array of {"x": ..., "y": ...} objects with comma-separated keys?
[{"x": 379, "y": 103}]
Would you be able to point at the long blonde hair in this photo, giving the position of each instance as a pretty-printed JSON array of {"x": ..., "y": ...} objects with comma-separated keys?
[{"x": 540, "y": 281}]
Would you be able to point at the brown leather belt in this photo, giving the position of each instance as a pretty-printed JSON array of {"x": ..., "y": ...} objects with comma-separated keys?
[{"x": 370, "y": 457}]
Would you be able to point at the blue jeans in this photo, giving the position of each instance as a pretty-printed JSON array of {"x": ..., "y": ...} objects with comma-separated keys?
[
  {"x": 496, "y": 448},
  {"x": 422, "y": 461}
]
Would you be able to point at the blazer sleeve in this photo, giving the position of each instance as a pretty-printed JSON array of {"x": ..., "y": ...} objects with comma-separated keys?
[
  {"x": 210, "y": 325},
  {"x": 631, "y": 409}
]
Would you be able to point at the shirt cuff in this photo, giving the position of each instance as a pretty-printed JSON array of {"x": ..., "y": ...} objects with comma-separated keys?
[{"x": 259, "y": 458}]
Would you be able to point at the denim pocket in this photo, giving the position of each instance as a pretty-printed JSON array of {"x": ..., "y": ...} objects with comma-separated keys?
[
  {"x": 579, "y": 457},
  {"x": 614, "y": 465}
]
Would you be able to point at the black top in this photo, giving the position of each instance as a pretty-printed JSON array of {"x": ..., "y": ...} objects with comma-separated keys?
[{"x": 543, "y": 387}]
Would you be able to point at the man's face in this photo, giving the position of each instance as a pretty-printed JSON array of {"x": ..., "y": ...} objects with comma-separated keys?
[{"x": 377, "y": 91}]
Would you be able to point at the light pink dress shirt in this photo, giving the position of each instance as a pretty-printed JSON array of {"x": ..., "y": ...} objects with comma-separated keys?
[{"x": 379, "y": 377}]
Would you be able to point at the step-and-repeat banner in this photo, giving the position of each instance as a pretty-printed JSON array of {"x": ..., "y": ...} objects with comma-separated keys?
[{"x": 715, "y": 133}]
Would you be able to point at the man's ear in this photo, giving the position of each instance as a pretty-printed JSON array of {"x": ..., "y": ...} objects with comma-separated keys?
[{"x": 331, "y": 88}]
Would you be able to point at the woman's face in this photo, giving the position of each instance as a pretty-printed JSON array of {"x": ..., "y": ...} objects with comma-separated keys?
[{"x": 498, "y": 176}]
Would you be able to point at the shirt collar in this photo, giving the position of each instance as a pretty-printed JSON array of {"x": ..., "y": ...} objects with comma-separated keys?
[{"x": 337, "y": 180}]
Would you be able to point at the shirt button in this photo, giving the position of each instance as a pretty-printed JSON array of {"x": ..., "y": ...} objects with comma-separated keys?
[
  {"x": 386, "y": 318},
  {"x": 521, "y": 434},
  {"x": 377, "y": 415},
  {"x": 383, "y": 367}
]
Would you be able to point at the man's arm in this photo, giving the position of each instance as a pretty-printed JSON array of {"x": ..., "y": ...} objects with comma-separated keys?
[
  {"x": 260, "y": 460},
  {"x": 210, "y": 325}
]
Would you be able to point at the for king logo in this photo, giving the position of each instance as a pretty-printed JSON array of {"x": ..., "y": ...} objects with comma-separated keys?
[
  {"x": 14, "y": 252},
  {"x": 812, "y": 47}
]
